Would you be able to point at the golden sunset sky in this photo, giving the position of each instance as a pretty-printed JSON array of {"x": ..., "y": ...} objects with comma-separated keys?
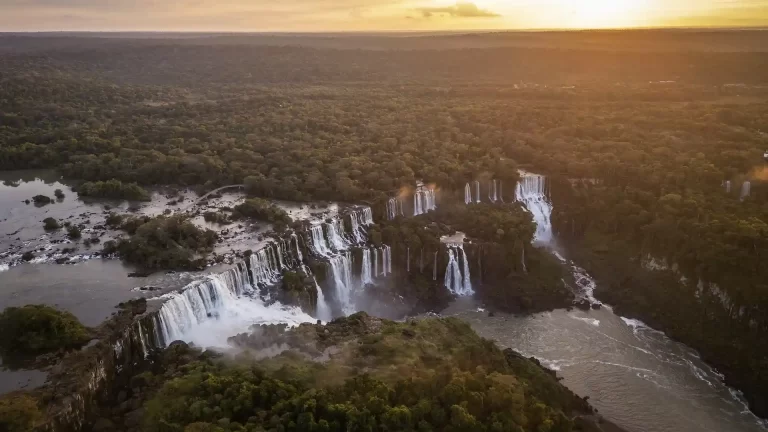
[{"x": 373, "y": 15}]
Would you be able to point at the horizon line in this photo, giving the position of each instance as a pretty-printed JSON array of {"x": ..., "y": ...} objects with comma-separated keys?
[{"x": 395, "y": 31}]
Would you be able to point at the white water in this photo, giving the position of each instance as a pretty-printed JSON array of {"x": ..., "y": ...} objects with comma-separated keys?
[
  {"x": 359, "y": 219},
  {"x": 493, "y": 190},
  {"x": 467, "y": 194},
  {"x": 387, "y": 260},
  {"x": 394, "y": 208},
  {"x": 208, "y": 312},
  {"x": 265, "y": 269},
  {"x": 375, "y": 262},
  {"x": 531, "y": 191},
  {"x": 341, "y": 268},
  {"x": 477, "y": 191},
  {"x": 322, "y": 310},
  {"x": 365, "y": 270},
  {"x": 633, "y": 373},
  {"x": 335, "y": 238},
  {"x": 423, "y": 201},
  {"x": 457, "y": 278},
  {"x": 319, "y": 244},
  {"x": 746, "y": 188}
]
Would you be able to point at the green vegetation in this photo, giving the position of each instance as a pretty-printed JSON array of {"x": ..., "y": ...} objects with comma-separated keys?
[
  {"x": 34, "y": 329},
  {"x": 51, "y": 224},
  {"x": 41, "y": 200},
  {"x": 73, "y": 232},
  {"x": 217, "y": 218},
  {"x": 18, "y": 413},
  {"x": 434, "y": 374},
  {"x": 163, "y": 243},
  {"x": 636, "y": 164},
  {"x": 261, "y": 209},
  {"x": 113, "y": 189}
]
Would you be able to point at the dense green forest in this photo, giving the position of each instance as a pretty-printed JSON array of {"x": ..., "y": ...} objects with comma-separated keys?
[{"x": 637, "y": 145}]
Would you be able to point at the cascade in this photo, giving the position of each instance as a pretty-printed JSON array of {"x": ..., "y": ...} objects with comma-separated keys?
[
  {"x": 531, "y": 191},
  {"x": 341, "y": 268},
  {"x": 417, "y": 209},
  {"x": 408, "y": 260},
  {"x": 375, "y": 262},
  {"x": 394, "y": 208},
  {"x": 300, "y": 257},
  {"x": 493, "y": 193},
  {"x": 746, "y": 188},
  {"x": 501, "y": 191},
  {"x": 467, "y": 279},
  {"x": 434, "y": 268},
  {"x": 387, "y": 261},
  {"x": 322, "y": 310},
  {"x": 200, "y": 302},
  {"x": 365, "y": 272},
  {"x": 319, "y": 244},
  {"x": 728, "y": 186},
  {"x": 423, "y": 201},
  {"x": 264, "y": 268},
  {"x": 456, "y": 281},
  {"x": 477, "y": 191},
  {"x": 359, "y": 219},
  {"x": 467, "y": 194},
  {"x": 334, "y": 231}
]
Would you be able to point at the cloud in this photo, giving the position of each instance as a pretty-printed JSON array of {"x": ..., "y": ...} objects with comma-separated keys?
[{"x": 460, "y": 10}]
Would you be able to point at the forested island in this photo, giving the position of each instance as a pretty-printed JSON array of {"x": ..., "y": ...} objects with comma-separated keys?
[{"x": 654, "y": 166}]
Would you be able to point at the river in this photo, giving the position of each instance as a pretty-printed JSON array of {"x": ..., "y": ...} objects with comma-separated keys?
[{"x": 634, "y": 375}]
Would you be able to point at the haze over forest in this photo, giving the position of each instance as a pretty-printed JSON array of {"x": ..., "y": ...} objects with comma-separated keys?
[{"x": 212, "y": 231}]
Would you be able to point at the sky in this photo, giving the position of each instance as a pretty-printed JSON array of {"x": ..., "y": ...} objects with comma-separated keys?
[{"x": 373, "y": 15}]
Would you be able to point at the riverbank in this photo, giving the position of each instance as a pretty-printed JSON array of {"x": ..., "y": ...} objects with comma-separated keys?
[{"x": 654, "y": 297}]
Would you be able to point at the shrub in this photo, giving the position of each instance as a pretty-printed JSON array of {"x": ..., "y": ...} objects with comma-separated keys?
[
  {"x": 74, "y": 232},
  {"x": 41, "y": 199},
  {"x": 38, "y": 328},
  {"x": 50, "y": 224},
  {"x": 18, "y": 413},
  {"x": 114, "y": 189}
]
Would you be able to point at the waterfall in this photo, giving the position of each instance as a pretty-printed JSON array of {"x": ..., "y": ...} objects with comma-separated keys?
[
  {"x": 746, "y": 188},
  {"x": 467, "y": 279},
  {"x": 467, "y": 194},
  {"x": 334, "y": 231},
  {"x": 477, "y": 191},
  {"x": 394, "y": 208},
  {"x": 417, "y": 209},
  {"x": 493, "y": 193},
  {"x": 423, "y": 201},
  {"x": 220, "y": 305},
  {"x": 359, "y": 219},
  {"x": 365, "y": 271},
  {"x": 341, "y": 267},
  {"x": 264, "y": 268},
  {"x": 455, "y": 281},
  {"x": 408, "y": 260},
  {"x": 434, "y": 268},
  {"x": 322, "y": 309},
  {"x": 375, "y": 262},
  {"x": 501, "y": 191},
  {"x": 728, "y": 186},
  {"x": 387, "y": 261},
  {"x": 319, "y": 244},
  {"x": 531, "y": 192},
  {"x": 299, "y": 256}
]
